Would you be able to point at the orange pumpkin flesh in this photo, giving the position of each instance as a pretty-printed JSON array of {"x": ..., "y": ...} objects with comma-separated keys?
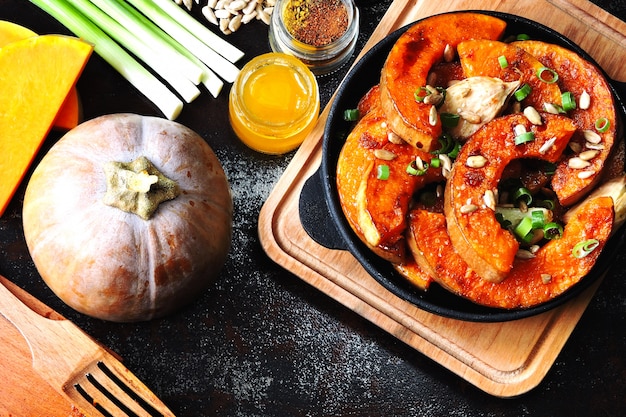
[
  {"x": 112, "y": 264},
  {"x": 480, "y": 57},
  {"x": 70, "y": 113},
  {"x": 410, "y": 61},
  {"x": 577, "y": 75},
  {"x": 37, "y": 75},
  {"x": 376, "y": 209},
  {"x": 552, "y": 270},
  {"x": 476, "y": 234},
  {"x": 465, "y": 249}
]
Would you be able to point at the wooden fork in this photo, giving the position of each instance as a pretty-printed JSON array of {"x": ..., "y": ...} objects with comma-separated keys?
[{"x": 78, "y": 367}]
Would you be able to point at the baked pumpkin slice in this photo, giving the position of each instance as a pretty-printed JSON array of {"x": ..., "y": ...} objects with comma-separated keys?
[
  {"x": 508, "y": 62},
  {"x": 409, "y": 62},
  {"x": 374, "y": 187},
  {"x": 555, "y": 267},
  {"x": 469, "y": 199},
  {"x": 594, "y": 108}
]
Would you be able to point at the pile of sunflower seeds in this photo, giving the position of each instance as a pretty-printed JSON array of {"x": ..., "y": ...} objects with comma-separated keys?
[{"x": 229, "y": 15}]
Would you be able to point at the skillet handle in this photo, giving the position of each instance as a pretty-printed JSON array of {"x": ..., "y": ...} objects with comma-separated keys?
[{"x": 315, "y": 215}]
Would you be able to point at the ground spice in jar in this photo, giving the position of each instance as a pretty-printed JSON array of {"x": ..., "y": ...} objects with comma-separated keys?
[{"x": 316, "y": 22}]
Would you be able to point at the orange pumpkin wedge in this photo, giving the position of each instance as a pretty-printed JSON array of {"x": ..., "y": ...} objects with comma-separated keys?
[
  {"x": 413, "y": 273},
  {"x": 482, "y": 57},
  {"x": 553, "y": 270},
  {"x": 70, "y": 113},
  {"x": 36, "y": 75},
  {"x": 579, "y": 77},
  {"x": 411, "y": 59},
  {"x": 376, "y": 208},
  {"x": 474, "y": 230}
]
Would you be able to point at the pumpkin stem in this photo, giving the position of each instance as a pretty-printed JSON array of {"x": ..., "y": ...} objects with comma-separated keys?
[{"x": 137, "y": 187}]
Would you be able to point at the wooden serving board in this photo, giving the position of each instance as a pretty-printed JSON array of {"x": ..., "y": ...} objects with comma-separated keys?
[{"x": 503, "y": 359}]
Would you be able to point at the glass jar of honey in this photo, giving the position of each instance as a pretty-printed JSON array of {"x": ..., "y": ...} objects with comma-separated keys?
[
  {"x": 321, "y": 33},
  {"x": 274, "y": 103}
]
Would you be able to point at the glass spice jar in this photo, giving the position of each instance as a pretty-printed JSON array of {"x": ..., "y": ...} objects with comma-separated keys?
[{"x": 321, "y": 33}]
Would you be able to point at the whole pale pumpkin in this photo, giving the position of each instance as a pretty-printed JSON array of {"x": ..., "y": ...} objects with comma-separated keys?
[{"x": 128, "y": 217}]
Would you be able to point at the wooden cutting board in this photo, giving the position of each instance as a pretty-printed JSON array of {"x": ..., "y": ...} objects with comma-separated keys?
[
  {"x": 17, "y": 371},
  {"x": 503, "y": 359}
]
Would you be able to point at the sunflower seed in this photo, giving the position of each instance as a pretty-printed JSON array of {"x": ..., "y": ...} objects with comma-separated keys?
[
  {"x": 591, "y": 136},
  {"x": 588, "y": 155},
  {"x": 476, "y": 161},
  {"x": 547, "y": 145},
  {"x": 432, "y": 116},
  {"x": 577, "y": 163},
  {"x": 384, "y": 154},
  {"x": 584, "y": 101},
  {"x": 468, "y": 208},
  {"x": 533, "y": 115}
]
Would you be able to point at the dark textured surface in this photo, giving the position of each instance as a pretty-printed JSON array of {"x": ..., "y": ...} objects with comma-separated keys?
[{"x": 261, "y": 342}]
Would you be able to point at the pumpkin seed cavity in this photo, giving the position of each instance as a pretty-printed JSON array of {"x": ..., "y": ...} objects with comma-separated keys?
[{"x": 137, "y": 187}]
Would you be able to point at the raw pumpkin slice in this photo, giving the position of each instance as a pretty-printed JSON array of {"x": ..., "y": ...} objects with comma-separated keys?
[
  {"x": 508, "y": 62},
  {"x": 555, "y": 268},
  {"x": 411, "y": 59},
  {"x": 579, "y": 77},
  {"x": 374, "y": 187},
  {"x": 70, "y": 114},
  {"x": 469, "y": 204},
  {"x": 11, "y": 32},
  {"x": 36, "y": 75}
]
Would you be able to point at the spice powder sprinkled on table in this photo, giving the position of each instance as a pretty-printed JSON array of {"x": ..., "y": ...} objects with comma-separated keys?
[{"x": 316, "y": 22}]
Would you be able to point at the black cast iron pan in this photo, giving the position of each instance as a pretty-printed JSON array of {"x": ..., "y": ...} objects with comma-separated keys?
[{"x": 334, "y": 232}]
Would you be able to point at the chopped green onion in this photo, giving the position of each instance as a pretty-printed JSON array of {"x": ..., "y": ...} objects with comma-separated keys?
[
  {"x": 522, "y": 92},
  {"x": 161, "y": 63},
  {"x": 584, "y": 248},
  {"x": 568, "y": 102},
  {"x": 435, "y": 162},
  {"x": 449, "y": 146},
  {"x": 412, "y": 169},
  {"x": 503, "y": 62},
  {"x": 522, "y": 194},
  {"x": 160, "y": 12},
  {"x": 446, "y": 144},
  {"x": 553, "y": 76},
  {"x": 524, "y": 228},
  {"x": 420, "y": 94},
  {"x": 351, "y": 115},
  {"x": 524, "y": 137},
  {"x": 552, "y": 231},
  {"x": 455, "y": 150},
  {"x": 602, "y": 124},
  {"x": 522, "y": 37},
  {"x": 382, "y": 172},
  {"x": 449, "y": 119},
  {"x": 115, "y": 55},
  {"x": 538, "y": 219}
]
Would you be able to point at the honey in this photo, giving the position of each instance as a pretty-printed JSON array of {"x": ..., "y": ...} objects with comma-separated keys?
[{"x": 274, "y": 103}]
